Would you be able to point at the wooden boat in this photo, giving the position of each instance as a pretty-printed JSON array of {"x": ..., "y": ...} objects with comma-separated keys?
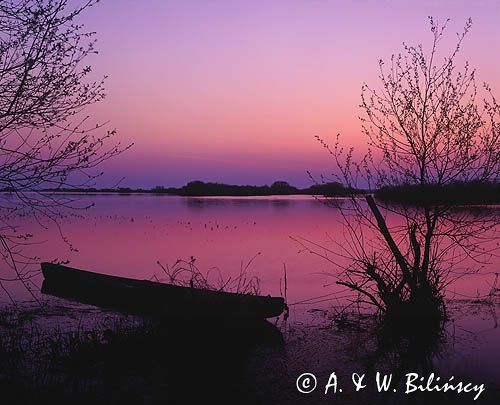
[{"x": 152, "y": 298}]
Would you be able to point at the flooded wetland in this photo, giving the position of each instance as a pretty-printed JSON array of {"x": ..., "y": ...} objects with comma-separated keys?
[{"x": 131, "y": 235}]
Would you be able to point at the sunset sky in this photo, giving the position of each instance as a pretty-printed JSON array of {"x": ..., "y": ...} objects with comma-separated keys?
[{"x": 234, "y": 91}]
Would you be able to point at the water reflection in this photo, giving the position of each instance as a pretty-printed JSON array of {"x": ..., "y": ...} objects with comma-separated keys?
[{"x": 127, "y": 235}]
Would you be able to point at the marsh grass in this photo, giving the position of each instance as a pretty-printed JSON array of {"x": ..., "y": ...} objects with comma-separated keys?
[
  {"x": 117, "y": 359},
  {"x": 42, "y": 358},
  {"x": 186, "y": 273}
]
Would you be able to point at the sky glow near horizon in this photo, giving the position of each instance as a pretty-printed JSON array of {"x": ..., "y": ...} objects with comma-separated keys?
[{"x": 235, "y": 91}]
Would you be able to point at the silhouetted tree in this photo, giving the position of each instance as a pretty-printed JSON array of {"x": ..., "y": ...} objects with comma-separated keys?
[
  {"x": 282, "y": 187},
  {"x": 426, "y": 126},
  {"x": 45, "y": 141}
]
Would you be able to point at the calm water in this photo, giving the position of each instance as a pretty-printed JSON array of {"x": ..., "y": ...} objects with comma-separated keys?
[{"x": 128, "y": 235}]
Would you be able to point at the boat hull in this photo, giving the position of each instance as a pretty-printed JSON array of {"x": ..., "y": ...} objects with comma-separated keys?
[{"x": 152, "y": 298}]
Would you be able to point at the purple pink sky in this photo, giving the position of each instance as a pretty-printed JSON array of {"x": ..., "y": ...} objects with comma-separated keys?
[{"x": 234, "y": 91}]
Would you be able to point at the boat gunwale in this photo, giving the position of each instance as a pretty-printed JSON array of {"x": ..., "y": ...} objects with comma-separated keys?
[{"x": 48, "y": 267}]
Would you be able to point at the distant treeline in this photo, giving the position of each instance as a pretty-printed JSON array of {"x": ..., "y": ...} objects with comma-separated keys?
[
  {"x": 200, "y": 188},
  {"x": 452, "y": 194}
]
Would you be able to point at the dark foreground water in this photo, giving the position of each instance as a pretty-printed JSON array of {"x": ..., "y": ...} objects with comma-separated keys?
[{"x": 128, "y": 235}]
